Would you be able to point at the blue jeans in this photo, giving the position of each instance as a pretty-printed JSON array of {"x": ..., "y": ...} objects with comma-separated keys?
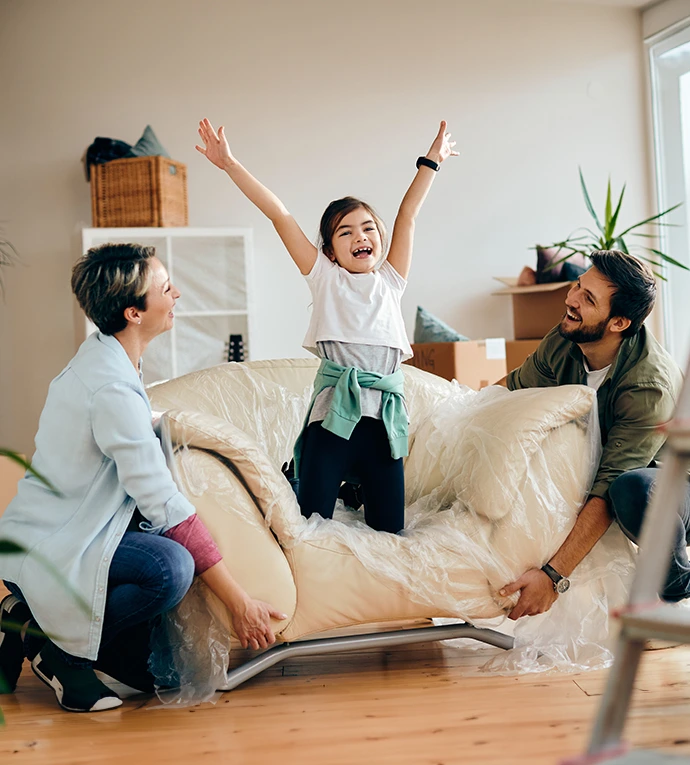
[
  {"x": 630, "y": 494},
  {"x": 148, "y": 576}
]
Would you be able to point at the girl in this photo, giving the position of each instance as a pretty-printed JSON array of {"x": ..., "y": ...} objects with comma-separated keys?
[{"x": 356, "y": 427}]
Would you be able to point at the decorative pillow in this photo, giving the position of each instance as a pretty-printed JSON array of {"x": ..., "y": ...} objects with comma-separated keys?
[
  {"x": 148, "y": 145},
  {"x": 430, "y": 329},
  {"x": 567, "y": 271}
]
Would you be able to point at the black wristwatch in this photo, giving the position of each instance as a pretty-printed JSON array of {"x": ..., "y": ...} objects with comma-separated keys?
[{"x": 560, "y": 583}]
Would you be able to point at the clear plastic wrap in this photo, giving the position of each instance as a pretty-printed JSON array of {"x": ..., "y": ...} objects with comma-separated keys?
[
  {"x": 494, "y": 482},
  {"x": 191, "y": 650}
]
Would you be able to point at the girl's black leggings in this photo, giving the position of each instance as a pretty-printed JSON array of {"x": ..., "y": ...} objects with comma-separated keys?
[{"x": 327, "y": 459}]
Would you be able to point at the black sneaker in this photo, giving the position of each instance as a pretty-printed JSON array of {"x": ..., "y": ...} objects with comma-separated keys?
[
  {"x": 14, "y": 614},
  {"x": 352, "y": 495},
  {"x": 76, "y": 689},
  {"x": 288, "y": 470},
  {"x": 126, "y": 659}
]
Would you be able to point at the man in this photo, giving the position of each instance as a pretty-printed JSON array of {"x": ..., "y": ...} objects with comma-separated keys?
[{"x": 601, "y": 342}]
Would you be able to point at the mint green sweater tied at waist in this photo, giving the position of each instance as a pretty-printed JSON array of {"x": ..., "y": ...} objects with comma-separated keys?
[{"x": 346, "y": 409}]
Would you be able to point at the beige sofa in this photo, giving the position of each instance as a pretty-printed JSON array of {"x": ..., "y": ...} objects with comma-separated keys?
[{"x": 494, "y": 480}]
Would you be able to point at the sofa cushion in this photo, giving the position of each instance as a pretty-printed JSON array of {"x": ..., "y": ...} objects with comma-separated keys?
[{"x": 478, "y": 446}]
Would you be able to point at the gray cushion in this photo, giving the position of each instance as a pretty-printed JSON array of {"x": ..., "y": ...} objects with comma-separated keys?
[
  {"x": 149, "y": 146},
  {"x": 430, "y": 329}
]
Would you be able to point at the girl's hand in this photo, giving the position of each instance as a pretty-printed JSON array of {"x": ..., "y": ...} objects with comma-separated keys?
[
  {"x": 252, "y": 622},
  {"x": 216, "y": 146},
  {"x": 442, "y": 147}
]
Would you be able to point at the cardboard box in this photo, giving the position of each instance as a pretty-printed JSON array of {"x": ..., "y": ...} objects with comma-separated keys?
[
  {"x": 517, "y": 351},
  {"x": 475, "y": 363},
  {"x": 536, "y": 308}
]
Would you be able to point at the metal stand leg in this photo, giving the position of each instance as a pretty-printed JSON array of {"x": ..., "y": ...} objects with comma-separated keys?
[
  {"x": 358, "y": 642},
  {"x": 610, "y": 721},
  {"x": 645, "y": 615}
]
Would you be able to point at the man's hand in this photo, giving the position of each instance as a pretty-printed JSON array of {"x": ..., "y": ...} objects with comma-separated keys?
[
  {"x": 215, "y": 147},
  {"x": 537, "y": 594},
  {"x": 252, "y": 622}
]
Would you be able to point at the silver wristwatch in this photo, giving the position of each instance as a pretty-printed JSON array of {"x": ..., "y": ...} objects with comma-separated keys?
[{"x": 560, "y": 583}]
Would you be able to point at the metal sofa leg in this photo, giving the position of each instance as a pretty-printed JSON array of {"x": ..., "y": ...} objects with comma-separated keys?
[{"x": 321, "y": 646}]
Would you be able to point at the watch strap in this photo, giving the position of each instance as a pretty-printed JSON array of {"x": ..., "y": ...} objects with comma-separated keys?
[
  {"x": 551, "y": 572},
  {"x": 428, "y": 163}
]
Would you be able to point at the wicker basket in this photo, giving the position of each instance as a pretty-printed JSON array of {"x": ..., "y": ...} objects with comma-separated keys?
[{"x": 143, "y": 191}]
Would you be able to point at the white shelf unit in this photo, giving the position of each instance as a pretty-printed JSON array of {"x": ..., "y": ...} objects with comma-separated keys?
[{"x": 212, "y": 268}]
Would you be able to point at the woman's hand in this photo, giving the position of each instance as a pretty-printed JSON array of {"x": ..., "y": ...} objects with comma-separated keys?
[
  {"x": 216, "y": 146},
  {"x": 252, "y": 622},
  {"x": 442, "y": 147}
]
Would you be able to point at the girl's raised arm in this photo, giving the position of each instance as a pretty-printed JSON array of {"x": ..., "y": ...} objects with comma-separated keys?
[
  {"x": 217, "y": 150},
  {"x": 400, "y": 253}
]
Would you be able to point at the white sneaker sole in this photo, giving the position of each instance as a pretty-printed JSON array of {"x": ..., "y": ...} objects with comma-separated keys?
[
  {"x": 109, "y": 702},
  {"x": 7, "y": 605}
]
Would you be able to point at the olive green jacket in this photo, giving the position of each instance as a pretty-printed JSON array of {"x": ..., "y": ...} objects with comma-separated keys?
[{"x": 638, "y": 393}]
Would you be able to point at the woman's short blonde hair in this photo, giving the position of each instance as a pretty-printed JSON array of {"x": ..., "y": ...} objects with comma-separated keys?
[{"x": 111, "y": 278}]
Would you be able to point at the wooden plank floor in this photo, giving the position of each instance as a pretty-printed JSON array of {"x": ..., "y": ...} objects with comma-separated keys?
[{"x": 413, "y": 705}]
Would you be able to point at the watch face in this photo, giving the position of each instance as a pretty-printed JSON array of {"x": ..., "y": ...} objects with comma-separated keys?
[{"x": 563, "y": 585}]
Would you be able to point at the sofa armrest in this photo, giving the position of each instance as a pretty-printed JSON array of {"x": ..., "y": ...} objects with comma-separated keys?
[
  {"x": 262, "y": 479},
  {"x": 249, "y": 549}
]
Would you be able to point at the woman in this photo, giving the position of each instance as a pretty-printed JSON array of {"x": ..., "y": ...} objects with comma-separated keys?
[{"x": 117, "y": 544}]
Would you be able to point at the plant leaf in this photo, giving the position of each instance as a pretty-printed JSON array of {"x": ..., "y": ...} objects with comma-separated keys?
[
  {"x": 588, "y": 201},
  {"x": 27, "y": 466},
  {"x": 564, "y": 258},
  {"x": 652, "y": 219},
  {"x": 607, "y": 212},
  {"x": 658, "y": 274},
  {"x": 8, "y": 257},
  {"x": 614, "y": 217},
  {"x": 621, "y": 245},
  {"x": 667, "y": 258},
  {"x": 10, "y": 548}
]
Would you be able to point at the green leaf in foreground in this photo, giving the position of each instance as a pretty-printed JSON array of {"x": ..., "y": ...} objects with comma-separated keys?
[{"x": 27, "y": 466}]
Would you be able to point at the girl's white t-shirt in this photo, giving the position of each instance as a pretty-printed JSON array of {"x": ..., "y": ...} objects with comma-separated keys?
[{"x": 356, "y": 308}]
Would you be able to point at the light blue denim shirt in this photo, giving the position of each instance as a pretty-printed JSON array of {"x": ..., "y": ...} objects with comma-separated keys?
[{"x": 96, "y": 444}]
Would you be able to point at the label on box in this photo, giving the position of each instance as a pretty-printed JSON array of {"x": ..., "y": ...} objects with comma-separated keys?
[{"x": 495, "y": 347}]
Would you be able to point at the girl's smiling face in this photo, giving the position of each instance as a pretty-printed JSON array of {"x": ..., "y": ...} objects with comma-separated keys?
[{"x": 356, "y": 242}]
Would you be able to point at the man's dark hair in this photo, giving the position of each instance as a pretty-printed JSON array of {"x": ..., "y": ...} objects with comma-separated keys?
[
  {"x": 109, "y": 279},
  {"x": 634, "y": 286}
]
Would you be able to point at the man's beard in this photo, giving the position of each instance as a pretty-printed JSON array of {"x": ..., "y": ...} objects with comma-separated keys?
[{"x": 583, "y": 334}]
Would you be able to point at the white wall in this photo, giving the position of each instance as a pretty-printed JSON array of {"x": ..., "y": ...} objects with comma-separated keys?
[{"x": 320, "y": 99}]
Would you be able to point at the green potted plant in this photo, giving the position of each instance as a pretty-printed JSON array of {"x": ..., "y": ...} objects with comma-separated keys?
[
  {"x": 8, "y": 256},
  {"x": 608, "y": 235}
]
